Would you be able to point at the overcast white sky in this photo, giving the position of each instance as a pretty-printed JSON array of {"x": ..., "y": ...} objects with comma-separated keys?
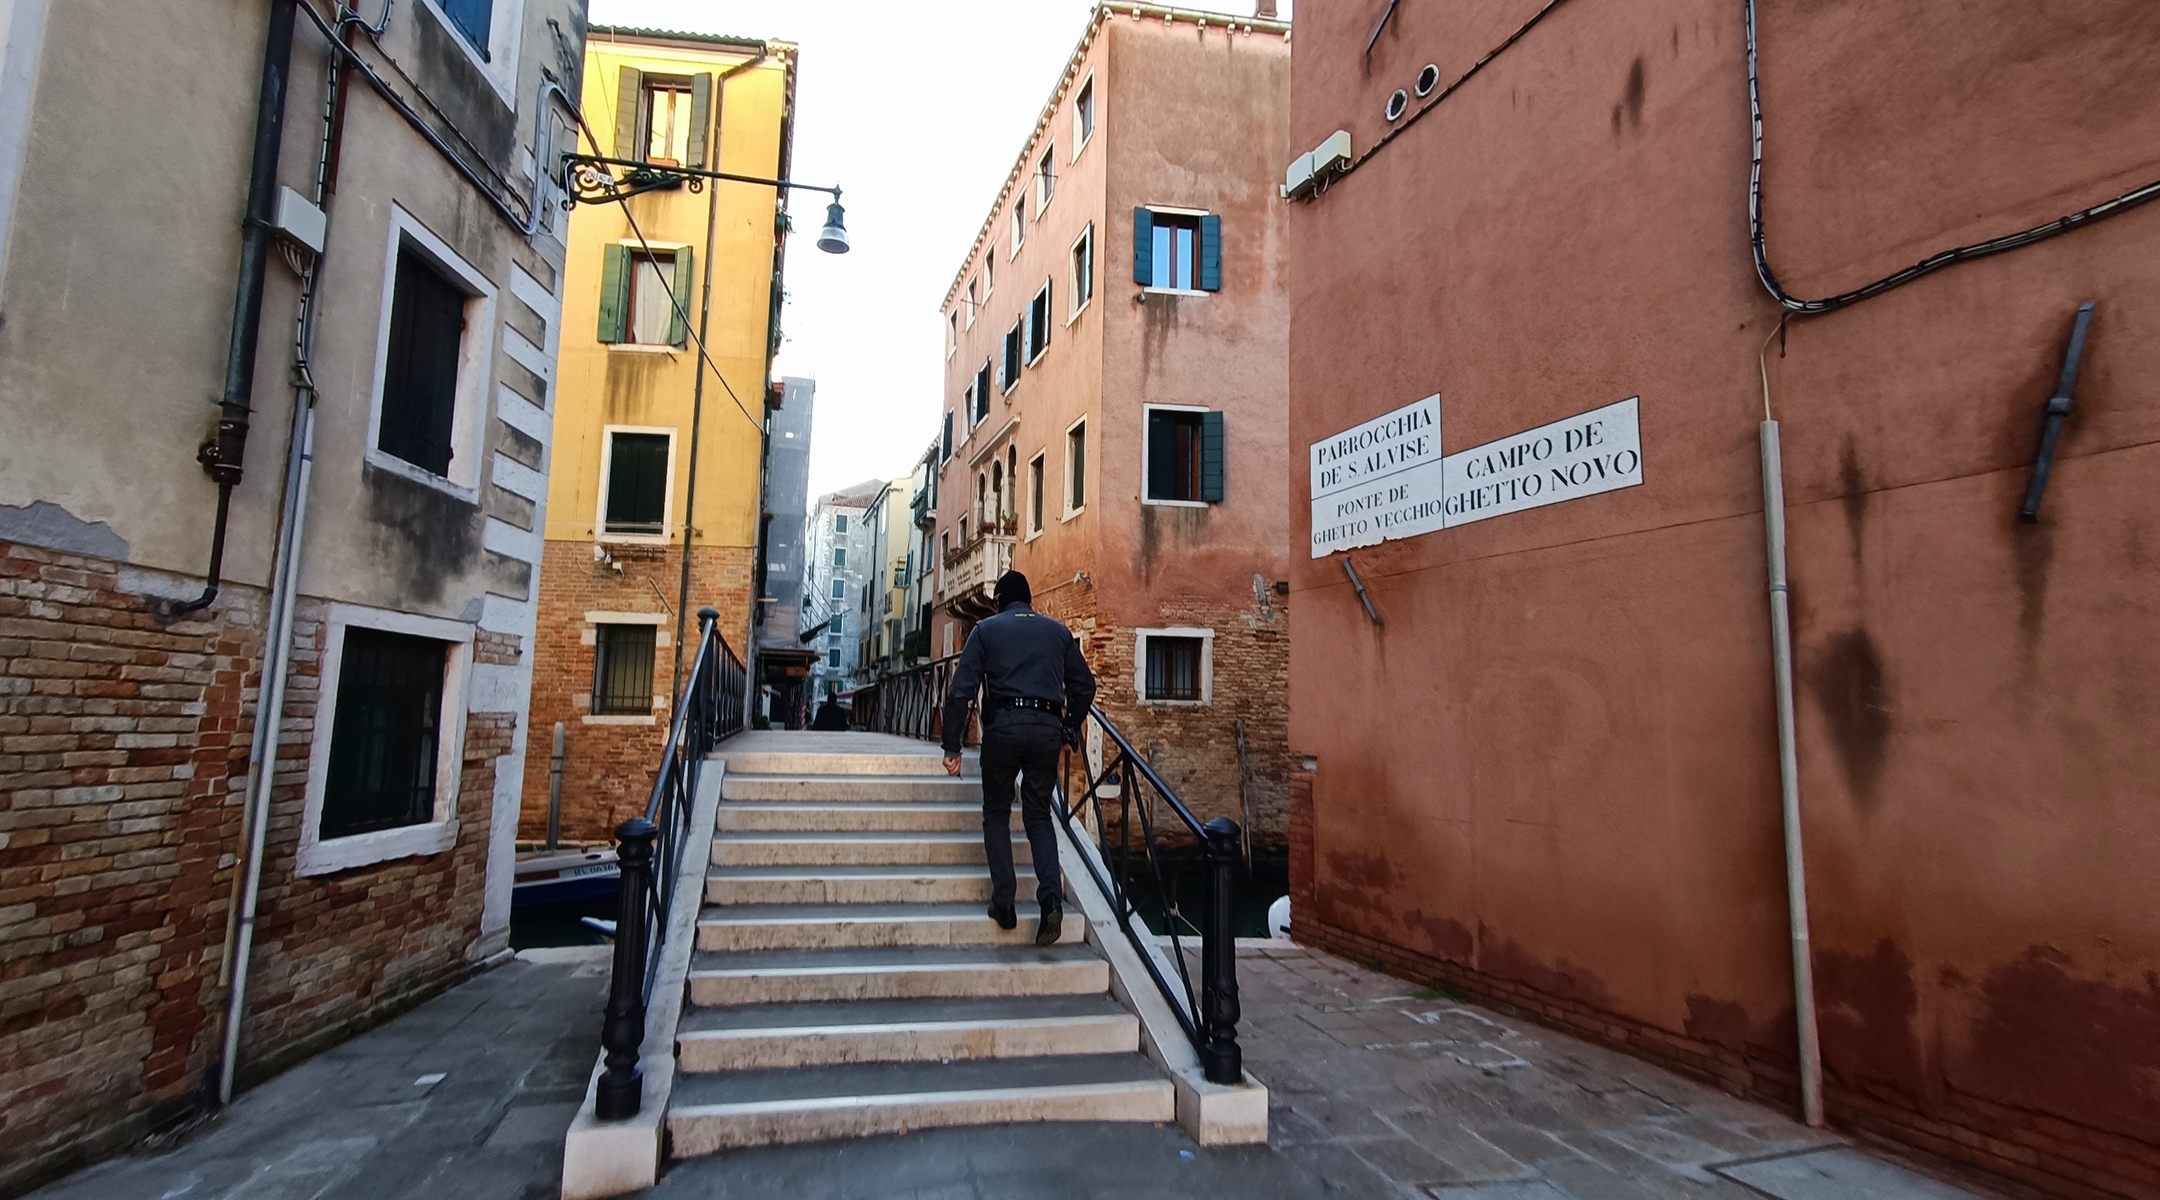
[{"x": 917, "y": 111}]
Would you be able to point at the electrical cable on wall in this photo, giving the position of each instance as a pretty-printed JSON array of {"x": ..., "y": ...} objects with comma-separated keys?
[{"x": 1926, "y": 266}]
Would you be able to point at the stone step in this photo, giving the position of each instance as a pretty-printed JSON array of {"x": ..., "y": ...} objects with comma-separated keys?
[
  {"x": 894, "y": 973},
  {"x": 853, "y": 816},
  {"x": 812, "y": 926},
  {"x": 852, "y": 849},
  {"x": 850, "y": 787},
  {"x": 710, "y": 1112},
  {"x": 764, "y": 1036},
  {"x": 926, "y": 884},
  {"x": 929, "y": 761}
]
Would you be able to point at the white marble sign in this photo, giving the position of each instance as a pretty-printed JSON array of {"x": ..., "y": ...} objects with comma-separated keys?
[
  {"x": 1596, "y": 451},
  {"x": 1387, "y": 478},
  {"x": 1380, "y": 480}
]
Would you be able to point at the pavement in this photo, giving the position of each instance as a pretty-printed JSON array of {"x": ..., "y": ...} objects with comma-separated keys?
[
  {"x": 1379, "y": 1090},
  {"x": 466, "y": 1096}
]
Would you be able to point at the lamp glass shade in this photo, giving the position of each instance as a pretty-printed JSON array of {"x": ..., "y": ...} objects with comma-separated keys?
[{"x": 833, "y": 238}]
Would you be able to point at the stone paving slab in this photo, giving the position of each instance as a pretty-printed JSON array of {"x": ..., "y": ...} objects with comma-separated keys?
[
  {"x": 467, "y": 1096},
  {"x": 1378, "y": 1090}
]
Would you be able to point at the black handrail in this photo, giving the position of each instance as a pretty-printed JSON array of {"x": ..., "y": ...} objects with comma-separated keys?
[
  {"x": 1210, "y": 1016},
  {"x": 911, "y": 703},
  {"x": 649, "y": 852}
]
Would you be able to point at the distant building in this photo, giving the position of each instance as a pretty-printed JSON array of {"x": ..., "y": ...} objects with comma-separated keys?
[
  {"x": 783, "y": 661},
  {"x": 1116, "y": 383},
  {"x": 653, "y": 487},
  {"x": 889, "y": 521},
  {"x": 168, "y": 554},
  {"x": 839, "y": 567}
]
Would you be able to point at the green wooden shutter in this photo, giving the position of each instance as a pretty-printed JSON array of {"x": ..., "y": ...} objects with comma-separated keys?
[
  {"x": 1211, "y": 455},
  {"x": 629, "y": 98},
  {"x": 1143, "y": 247},
  {"x": 679, "y": 323},
  {"x": 614, "y": 293},
  {"x": 1211, "y": 254},
  {"x": 1161, "y": 456},
  {"x": 700, "y": 117}
]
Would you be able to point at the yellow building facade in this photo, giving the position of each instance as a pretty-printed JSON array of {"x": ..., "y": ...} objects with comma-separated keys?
[{"x": 654, "y": 480}]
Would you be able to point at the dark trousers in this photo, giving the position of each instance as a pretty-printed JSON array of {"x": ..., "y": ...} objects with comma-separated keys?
[{"x": 1030, "y": 752}]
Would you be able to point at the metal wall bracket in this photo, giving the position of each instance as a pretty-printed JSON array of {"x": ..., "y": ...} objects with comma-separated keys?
[{"x": 2056, "y": 413}]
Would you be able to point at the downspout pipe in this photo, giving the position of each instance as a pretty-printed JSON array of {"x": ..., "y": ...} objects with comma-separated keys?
[
  {"x": 221, "y": 455},
  {"x": 1781, "y": 667}
]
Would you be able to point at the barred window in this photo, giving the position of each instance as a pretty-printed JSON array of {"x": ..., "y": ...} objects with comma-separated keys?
[
  {"x": 386, "y": 734},
  {"x": 623, "y": 669}
]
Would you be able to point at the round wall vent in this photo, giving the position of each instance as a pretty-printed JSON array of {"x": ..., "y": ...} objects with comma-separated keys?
[
  {"x": 1427, "y": 80},
  {"x": 1397, "y": 104}
]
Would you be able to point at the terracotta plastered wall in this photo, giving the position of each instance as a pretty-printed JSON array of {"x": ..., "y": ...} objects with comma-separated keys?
[
  {"x": 608, "y": 767},
  {"x": 1551, "y": 778},
  {"x": 123, "y": 748}
]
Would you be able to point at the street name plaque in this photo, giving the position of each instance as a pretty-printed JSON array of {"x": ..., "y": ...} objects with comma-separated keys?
[
  {"x": 1379, "y": 480},
  {"x": 1387, "y": 478}
]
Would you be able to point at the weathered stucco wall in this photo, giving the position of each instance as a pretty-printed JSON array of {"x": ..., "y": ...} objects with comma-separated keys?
[{"x": 1551, "y": 776}]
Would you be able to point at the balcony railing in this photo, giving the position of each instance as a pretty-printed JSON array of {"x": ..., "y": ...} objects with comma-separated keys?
[{"x": 972, "y": 571}]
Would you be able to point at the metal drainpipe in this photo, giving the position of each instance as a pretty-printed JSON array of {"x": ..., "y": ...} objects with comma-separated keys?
[
  {"x": 1773, "y": 471},
  {"x": 221, "y": 456},
  {"x": 697, "y": 394},
  {"x": 285, "y": 583}
]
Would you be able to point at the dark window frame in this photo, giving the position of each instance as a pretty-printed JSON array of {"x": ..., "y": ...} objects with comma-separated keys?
[
  {"x": 640, "y": 488},
  {"x": 417, "y": 422},
  {"x": 1038, "y": 325},
  {"x": 1076, "y": 467},
  {"x": 387, "y": 733},
  {"x": 623, "y": 657},
  {"x": 1174, "y": 669}
]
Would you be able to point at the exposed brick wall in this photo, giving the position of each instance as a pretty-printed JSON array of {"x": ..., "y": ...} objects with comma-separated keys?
[
  {"x": 1194, "y": 747},
  {"x": 123, "y": 763},
  {"x": 608, "y": 768},
  {"x": 2055, "y": 1157}
]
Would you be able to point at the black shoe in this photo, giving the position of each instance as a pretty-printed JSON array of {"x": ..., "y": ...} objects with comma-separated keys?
[
  {"x": 1004, "y": 915},
  {"x": 1053, "y": 924}
]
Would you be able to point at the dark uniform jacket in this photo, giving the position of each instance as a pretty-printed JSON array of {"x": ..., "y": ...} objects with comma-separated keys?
[{"x": 1018, "y": 652}]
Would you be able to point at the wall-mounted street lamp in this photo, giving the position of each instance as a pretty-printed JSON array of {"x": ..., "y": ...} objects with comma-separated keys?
[{"x": 593, "y": 180}]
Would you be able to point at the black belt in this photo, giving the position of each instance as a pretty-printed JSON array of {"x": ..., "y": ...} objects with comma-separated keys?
[{"x": 1029, "y": 702}]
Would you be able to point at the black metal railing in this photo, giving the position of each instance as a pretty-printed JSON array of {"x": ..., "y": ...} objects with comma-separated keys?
[
  {"x": 1133, "y": 845},
  {"x": 649, "y": 851},
  {"x": 911, "y": 703}
]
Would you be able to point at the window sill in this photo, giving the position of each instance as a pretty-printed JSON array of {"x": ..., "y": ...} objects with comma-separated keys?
[
  {"x": 635, "y": 539},
  {"x": 1175, "y": 703},
  {"x": 619, "y": 719},
  {"x": 382, "y": 461},
  {"x": 1031, "y": 537},
  {"x": 1178, "y": 503},
  {"x": 1070, "y": 513},
  {"x": 1076, "y": 312},
  {"x": 643, "y": 348},
  {"x": 1160, "y": 291},
  {"x": 364, "y": 849}
]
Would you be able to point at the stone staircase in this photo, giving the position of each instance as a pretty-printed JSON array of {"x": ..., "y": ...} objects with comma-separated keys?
[{"x": 846, "y": 981}]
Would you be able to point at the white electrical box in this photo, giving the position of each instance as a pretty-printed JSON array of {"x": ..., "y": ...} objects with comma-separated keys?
[
  {"x": 1309, "y": 170},
  {"x": 299, "y": 221}
]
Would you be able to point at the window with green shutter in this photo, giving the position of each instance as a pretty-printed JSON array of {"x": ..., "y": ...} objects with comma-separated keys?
[
  {"x": 614, "y": 294},
  {"x": 1184, "y": 456},
  {"x": 1177, "y": 251}
]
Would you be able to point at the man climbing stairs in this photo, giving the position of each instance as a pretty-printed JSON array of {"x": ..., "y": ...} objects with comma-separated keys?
[{"x": 846, "y": 980}]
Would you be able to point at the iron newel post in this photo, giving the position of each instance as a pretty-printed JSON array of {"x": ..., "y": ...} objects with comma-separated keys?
[
  {"x": 1220, "y": 1057},
  {"x": 622, "y": 1084}
]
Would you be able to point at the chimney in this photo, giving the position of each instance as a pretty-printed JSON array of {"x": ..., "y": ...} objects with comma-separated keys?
[{"x": 1264, "y": 9}]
